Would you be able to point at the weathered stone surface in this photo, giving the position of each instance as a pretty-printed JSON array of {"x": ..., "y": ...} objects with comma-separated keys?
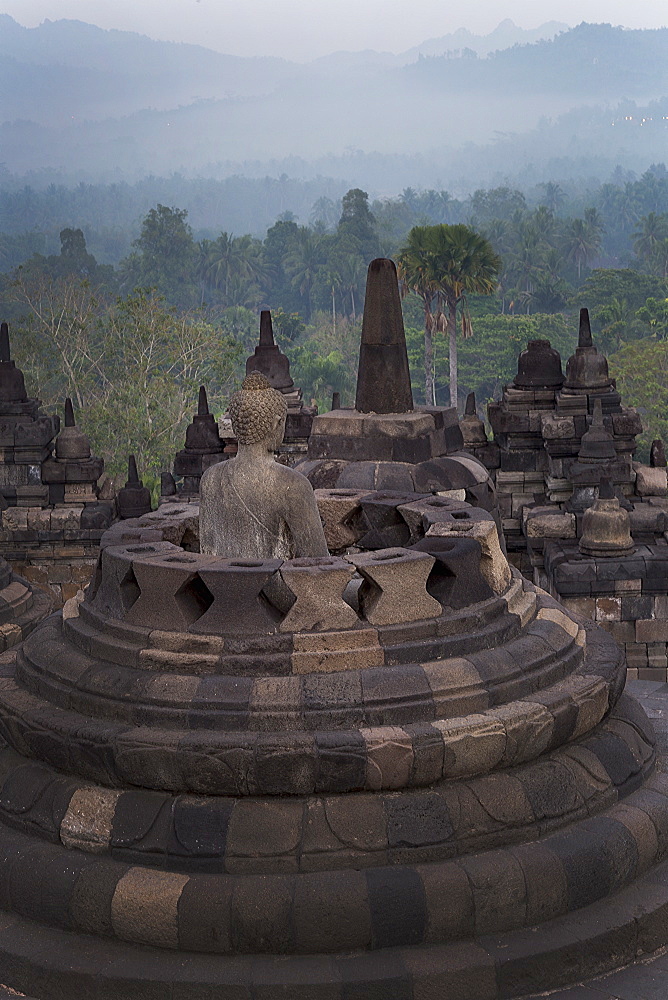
[
  {"x": 340, "y": 512},
  {"x": 383, "y": 377},
  {"x": 493, "y": 564},
  {"x": 651, "y": 482},
  {"x": 394, "y": 588},
  {"x": 318, "y": 585}
]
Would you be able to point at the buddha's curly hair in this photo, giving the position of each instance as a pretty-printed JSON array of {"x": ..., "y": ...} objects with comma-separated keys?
[{"x": 254, "y": 407}]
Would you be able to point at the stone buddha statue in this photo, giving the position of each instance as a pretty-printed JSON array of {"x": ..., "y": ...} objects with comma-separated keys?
[{"x": 250, "y": 506}]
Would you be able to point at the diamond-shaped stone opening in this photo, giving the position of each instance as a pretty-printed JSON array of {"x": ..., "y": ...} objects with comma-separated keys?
[
  {"x": 129, "y": 589},
  {"x": 194, "y": 598},
  {"x": 440, "y": 583}
]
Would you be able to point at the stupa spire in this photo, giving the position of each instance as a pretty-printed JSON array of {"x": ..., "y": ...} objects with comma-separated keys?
[
  {"x": 470, "y": 408},
  {"x": 266, "y": 329},
  {"x": 133, "y": 475},
  {"x": 383, "y": 376},
  {"x": 202, "y": 403},
  {"x": 69, "y": 413},
  {"x": 5, "y": 352},
  {"x": 584, "y": 333}
]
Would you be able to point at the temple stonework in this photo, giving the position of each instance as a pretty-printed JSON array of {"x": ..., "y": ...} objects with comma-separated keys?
[
  {"x": 385, "y": 442},
  {"x": 53, "y": 512},
  {"x": 559, "y": 437}
]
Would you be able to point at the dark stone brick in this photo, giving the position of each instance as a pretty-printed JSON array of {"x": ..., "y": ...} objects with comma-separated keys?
[
  {"x": 142, "y": 823},
  {"x": 428, "y": 753},
  {"x": 225, "y": 696},
  {"x": 618, "y": 761},
  {"x": 636, "y": 606},
  {"x": 341, "y": 761},
  {"x": 286, "y": 764},
  {"x": 90, "y": 901},
  {"x": 261, "y": 913},
  {"x": 394, "y": 696},
  {"x": 398, "y": 906},
  {"x": 598, "y": 856},
  {"x": 199, "y": 826},
  {"x": 204, "y": 913},
  {"x": 375, "y": 977},
  {"x": 550, "y": 789},
  {"x": 417, "y": 819}
]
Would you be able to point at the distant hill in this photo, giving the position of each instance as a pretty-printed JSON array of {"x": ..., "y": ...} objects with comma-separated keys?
[
  {"x": 504, "y": 36},
  {"x": 117, "y": 105},
  {"x": 590, "y": 61},
  {"x": 68, "y": 68}
]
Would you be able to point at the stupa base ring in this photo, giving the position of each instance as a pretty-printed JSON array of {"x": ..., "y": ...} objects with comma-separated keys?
[{"x": 53, "y": 964}]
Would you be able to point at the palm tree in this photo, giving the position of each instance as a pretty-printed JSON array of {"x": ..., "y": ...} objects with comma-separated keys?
[
  {"x": 303, "y": 264},
  {"x": 447, "y": 263},
  {"x": 659, "y": 259},
  {"x": 416, "y": 275},
  {"x": 651, "y": 230},
  {"x": 582, "y": 241},
  {"x": 465, "y": 263},
  {"x": 554, "y": 196}
]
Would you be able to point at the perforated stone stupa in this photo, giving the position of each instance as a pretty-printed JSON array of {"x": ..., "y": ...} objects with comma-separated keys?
[{"x": 416, "y": 777}]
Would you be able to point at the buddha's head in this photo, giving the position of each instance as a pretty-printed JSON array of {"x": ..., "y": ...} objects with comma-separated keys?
[{"x": 258, "y": 413}]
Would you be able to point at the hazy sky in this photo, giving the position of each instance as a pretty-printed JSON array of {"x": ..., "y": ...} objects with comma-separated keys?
[{"x": 303, "y": 29}]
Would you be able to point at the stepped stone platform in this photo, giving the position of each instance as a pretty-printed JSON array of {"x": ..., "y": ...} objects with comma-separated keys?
[{"x": 401, "y": 772}]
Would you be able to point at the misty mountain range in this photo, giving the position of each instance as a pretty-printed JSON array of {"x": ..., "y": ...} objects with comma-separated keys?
[{"x": 98, "y": 104}]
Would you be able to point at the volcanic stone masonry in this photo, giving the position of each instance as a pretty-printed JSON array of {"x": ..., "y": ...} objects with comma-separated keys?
[
  {"x": 556, "y": 438},
  {"x": 53, "y": 512},
  {"x": 421, "y": 779},
  {"x": 387, "y": 443}
]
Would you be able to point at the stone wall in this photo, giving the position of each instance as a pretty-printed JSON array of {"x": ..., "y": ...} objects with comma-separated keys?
[{"x": 49, "y": 549}]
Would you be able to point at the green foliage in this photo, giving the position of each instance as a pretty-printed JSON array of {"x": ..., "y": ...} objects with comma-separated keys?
[
  {"x": 164, "y": 257},
  {"x": 655, "y": 315},
  {"x": 488, "y": 359},
  {"x": 132, "y": 367},
  {"x": 326, "y": 361},
  {"x": 641, "y": 370}
]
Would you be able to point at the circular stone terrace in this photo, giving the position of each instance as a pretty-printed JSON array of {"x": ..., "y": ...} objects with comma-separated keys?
[{"x": 370, "y": 774}]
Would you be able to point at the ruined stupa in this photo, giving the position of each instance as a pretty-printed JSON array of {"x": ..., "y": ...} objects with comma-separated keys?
[
  {"x": 53, "y": 513},
  {"x": 390, "y": 773},
  {"x": 385, "y": 442}
]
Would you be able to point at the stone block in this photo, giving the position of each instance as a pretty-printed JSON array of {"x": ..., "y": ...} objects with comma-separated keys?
[
  {"x": 145, "y": 906},
  {"x": 331, "y": 651},
  {"x": 317, "y": 585},
  {"x": 608, "y": 609},
  {"x": 340, "y": 513},
  {"x": 237, "y": 605},
  {"x": 584, "y": 606},
  {"x": 493, "y": 563},
  {"x": 651, "y": 630},
  {"x": 651, "y": 481},
  {"x": 623, "y": 632},
  {"x": 541, "y": 525},
  {"x": 15, "y": 519},
  {"x": 394, "y": 587}
]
